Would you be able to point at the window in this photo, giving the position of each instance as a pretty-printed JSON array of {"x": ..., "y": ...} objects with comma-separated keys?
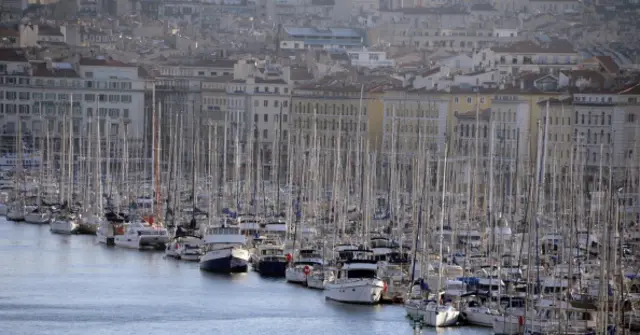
[
  {"x": 102, "y": 97},
  {"x": 256, "y": 103},
  {"x": 125, "y": 98},
  {"x": 285, "y": 104},
  {"x": 469, "y": 100},
  {"x": 481, "y": 100},
  {"x": 88, "y": 74},
  {"x": 255, "y": 118},
  {"x": 456, "y": 100},
  {"x": 266, "y": 118},
  {"x": 266, "y": 103},
  {"x": 89, "y": 112},
  {"x": 12, "y": 95},
  {"x": 265, "y": 134},
  {"x": 114, "y": 113},
  {"x": 125, "y": 113},
  {"x": 275, "y": 103},
  {"x": 284, "y": 118},
  {"x": 23, "y": 95}
]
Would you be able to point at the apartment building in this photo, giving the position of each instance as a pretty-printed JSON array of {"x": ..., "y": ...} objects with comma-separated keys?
[
  {"x": 47, "y": 97},
  {"x": 413, "y": 118},
  {"x": 336, "y": 114}
]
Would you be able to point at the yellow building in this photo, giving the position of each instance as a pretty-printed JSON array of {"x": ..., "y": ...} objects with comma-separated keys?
[
  {"x": 465, "y": 99},
  {"x": 332, "y": 113}
]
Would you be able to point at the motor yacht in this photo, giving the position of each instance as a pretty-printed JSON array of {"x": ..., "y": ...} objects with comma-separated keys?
[
  {"x": 357, "y": 280},
  {"x": 38, "y": 215},
  {"x": 299, "y": 269},
  {"x": 64, "y": 223},
  {"x": 141, "y": 235},
  {"x": 186, "y": 248},
  {"x": 270, "y": 260},
  {"x": 224, "y": 250}
]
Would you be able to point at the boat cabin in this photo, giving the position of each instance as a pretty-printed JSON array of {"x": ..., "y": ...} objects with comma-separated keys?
[{"x": 362, "y": 264}]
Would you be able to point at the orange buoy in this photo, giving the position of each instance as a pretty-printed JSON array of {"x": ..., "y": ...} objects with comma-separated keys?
[
  {"x": 307, "y": 270},
  {"x": 289, "y": 257},
  {"x": 521, "y": 320}
]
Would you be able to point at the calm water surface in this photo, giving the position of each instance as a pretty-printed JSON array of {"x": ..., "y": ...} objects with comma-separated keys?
[{"x": 53, "y": 284}]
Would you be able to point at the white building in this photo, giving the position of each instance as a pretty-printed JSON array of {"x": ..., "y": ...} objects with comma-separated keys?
[
  {"x": 39, "y": 94},
  {"x": 543, "y": 54},
  {"x": 412, "y": 117},
  {"x": 370, "y": 59}
]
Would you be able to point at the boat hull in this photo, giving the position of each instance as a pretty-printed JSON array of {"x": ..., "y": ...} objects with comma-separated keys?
[
  {"x": 15, "y": 216},
  {"x": 478, "y": 316},
  {"x": 87, "y": 229},
  {"x": 272, "y": 268},
  {"x": 507, "y": 325},
  {"x": 225, "y": 261},
  {"x": 63, "y": 227},
  {"x": 440, "y": 316},
  {"x": 108, "y": 240},
  {"x": 359, "y": 291},
  {"x": 37, "y": 218},
  {"x": 3, "y": 210},
  {"x": 157, "y": 242}
]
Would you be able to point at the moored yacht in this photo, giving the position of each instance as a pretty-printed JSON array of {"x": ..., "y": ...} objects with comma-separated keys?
[
  {"x": 357, "y": 281},
  {"x": 38, "y": 215},
  {"x": 3, "y": 209},
  {"x": 16, "y": 213},
  {"x": 89, "y": 224},
  {"x": 224, "y": 250},
  {"x": 64, "y": 223},
  {"x": 270, "y": 260},
  {"x": 186, "y": 248},
  {"x": 298, "y": 270},
  {"x": 140, "y": 235}
]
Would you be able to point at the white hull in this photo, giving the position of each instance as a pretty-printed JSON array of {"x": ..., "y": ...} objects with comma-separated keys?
[
  {"x": 317, "y": 282},
  {"x": 37, "y": 218},
  {"x": 480, "y": 316},
  {"x": 140, "y": 241},
  {"x": 186, "y": 249},
  {"x": 295, "y": 275},
  {"x": 507, "y": 325},
  {"x": 357, "y": 291},
  {"x": 13, "y": 215},
  {"x": 65, "y": 227}
]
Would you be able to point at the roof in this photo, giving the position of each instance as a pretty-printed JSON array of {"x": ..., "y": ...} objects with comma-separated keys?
[
  {"x": 451, "y": 10},
  {"x": 49, "y": 31},
  {"x": 103, "y": 62},
  {"x": 430, "y": 72},
  {"x": 543, "y": 45},
  {"x": 8, "y": 32},
  {"x": 58, "y": 70},
  {"x": 327, "y": 33},
  {"x": 632, "y": 90},
  {"x": 606, "y": 62},
  {"x": 483, "y": 7},
  {"x": 12, "y": 55}
]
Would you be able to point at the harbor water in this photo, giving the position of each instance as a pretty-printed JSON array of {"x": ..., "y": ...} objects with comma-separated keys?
[{"x": 54, "y": 284}]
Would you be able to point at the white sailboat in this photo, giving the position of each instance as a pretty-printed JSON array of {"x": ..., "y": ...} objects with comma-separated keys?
[{"x": 64, "y": 223}]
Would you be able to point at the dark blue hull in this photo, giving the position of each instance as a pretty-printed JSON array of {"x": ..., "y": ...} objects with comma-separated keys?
[
  {"x": 224, "y": 265},
  {"x": 272, "y": 268}
]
